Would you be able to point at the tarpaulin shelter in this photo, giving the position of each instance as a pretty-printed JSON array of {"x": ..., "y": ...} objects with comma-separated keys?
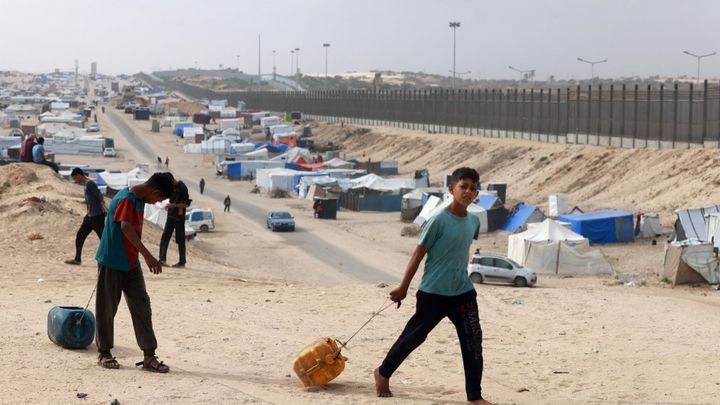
[
  {"x": 552, "y": 248},
  {"x": 712, "y": 229},
  {"x": 605, "y": 226},
  {"x": 435, "y": 205},
  {"x": 648, "y": 226},
  {"x": 690, "y": 223},
  {"x": 690, "y": 263},
  {"x": 496, "y": 212},
  {"x": 524, "y": 214}
]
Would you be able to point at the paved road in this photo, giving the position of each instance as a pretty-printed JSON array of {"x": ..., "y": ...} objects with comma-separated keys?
[{"x": 342, "y": 260}]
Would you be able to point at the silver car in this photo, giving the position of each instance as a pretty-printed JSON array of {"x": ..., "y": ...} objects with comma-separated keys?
[{"x": 492, "y": 268}]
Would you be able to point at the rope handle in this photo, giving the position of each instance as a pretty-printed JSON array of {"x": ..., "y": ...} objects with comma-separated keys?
[
  {"x": 79, "y": 321},
  {"x": 343, "y": 345}
]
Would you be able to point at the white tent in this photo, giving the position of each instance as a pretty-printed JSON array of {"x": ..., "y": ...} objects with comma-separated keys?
[
  {"x": 552, "y": 248},
  {"x": 434, "y": 206},
  {"x": 337, "y": 163},
  {"x": 375, "y": 182},
  {"x": 690, "y": 223},
  {"x": 712, "y": 228},
  {"x": 276, "y": 179},
  {"x": 650, "y": 226}
]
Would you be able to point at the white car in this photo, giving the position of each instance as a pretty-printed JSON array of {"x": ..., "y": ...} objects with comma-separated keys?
[
  {"x": 200, "y": 219},
  {"x": 109, "y": 152},
  {"x": 94, "y": 127},
  {"x": 492, "y": 268}
]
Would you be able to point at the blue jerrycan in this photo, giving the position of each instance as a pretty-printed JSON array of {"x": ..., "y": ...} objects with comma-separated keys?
[{"x": 71, "y": 327}]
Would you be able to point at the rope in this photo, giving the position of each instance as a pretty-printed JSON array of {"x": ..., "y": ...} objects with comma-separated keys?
[
  {"x": 86, "y": 307},
  {"x": 382, "y": 308}
]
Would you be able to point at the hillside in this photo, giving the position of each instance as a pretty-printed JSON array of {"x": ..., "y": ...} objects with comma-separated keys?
[{"x": 595, "y": 177}]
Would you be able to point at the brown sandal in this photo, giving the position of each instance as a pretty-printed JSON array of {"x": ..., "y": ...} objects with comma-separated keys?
[
  {"x": 154, "y": 366},
  {"x": 108, "y": 362}
]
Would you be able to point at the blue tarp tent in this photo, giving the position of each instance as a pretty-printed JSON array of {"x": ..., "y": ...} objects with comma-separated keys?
[
  {"x": 523, "y": 214},
  {"x": 487, "y": 201},
  {"x": 272, "y": 148},
  {"x": 234, "y": 169},
  {"x": 297, "y": 177},
  {"x": 606, "y": 226},
  {"x": 179, "y": 128}
]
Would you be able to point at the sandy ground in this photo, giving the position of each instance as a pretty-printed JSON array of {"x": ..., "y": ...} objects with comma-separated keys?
[{"x": 231, "y": 323}]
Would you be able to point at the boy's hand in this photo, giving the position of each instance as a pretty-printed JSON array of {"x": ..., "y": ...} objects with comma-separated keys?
[
  {"x": 153, "y": 264},
  {"x": 398, "y": 294}
]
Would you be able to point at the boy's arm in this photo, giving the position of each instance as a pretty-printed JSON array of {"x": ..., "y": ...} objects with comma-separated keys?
[
  {"x": 129, "y": 232},
  {"x": 400, "y": 292}
]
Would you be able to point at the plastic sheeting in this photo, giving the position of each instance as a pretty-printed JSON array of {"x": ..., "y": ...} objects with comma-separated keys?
[
  {"x": 276, "y": 179},
  {"x": 691, "y": 223},
  {"x": 605, "y": 226},
  {"x": 690, "y": 263},
  {"x": 523, "y": 215},
  {"x": 374, "y": 182},
  {"x": 650, "y": 226}
]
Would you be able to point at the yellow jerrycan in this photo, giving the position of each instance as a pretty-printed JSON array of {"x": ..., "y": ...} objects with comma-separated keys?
[{"x": 319, "y": 363}]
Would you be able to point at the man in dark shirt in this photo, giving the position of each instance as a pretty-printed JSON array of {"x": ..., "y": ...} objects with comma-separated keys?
[
  {"x": 95, "y": 217},
  {"x": 179, "y": 200}
]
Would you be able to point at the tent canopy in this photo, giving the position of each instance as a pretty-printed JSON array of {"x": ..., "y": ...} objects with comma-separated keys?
[
  {"x": 605, "y": 226},
  {"x": 552, "y": 248},
  {"x": 690, "y": 223},
  {"x": 524, "y": 214}
]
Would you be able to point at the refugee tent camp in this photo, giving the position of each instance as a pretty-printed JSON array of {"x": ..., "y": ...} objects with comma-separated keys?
[
  {"x": 552, "y": 248},
  {"x": 496, "y": 212},
  {"x": 604, "y": 226},
  {"x": 690, "y": 223},
  {"x": 523, "y": 215},
  {"x": 276, "y": 179},
  {"x": 690, "y": 263}
]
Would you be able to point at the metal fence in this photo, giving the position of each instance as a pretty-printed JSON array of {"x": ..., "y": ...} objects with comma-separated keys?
[{"x": 679, "y": 115}]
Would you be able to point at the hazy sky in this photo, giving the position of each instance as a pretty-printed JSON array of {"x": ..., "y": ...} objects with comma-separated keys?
[{"x": 638, "y": 37}]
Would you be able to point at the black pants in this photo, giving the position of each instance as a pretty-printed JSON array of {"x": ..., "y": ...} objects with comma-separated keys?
[
  {"x": 177, "y": 226},
  {"x": 227, "y": 208},
  {"x": 111, "y": 285},
  {"x": 52, "y": 165},
  {"x": 89, "y": 224},
  {"x": 430, "y": 310}
]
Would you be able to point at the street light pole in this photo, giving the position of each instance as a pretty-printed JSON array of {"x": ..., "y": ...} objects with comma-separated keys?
[
  {"x": 274, "y": 67},
  {"x": 326, "y": 45},
  {"x": 297, "y": 61},
  {"x": 522, "y": 72},
  {"x": 238, "y": 62},
  {"x": 454, "y": 25},
  {"x": 592, "y": 68},
  {"x": 697, "y": 78}
]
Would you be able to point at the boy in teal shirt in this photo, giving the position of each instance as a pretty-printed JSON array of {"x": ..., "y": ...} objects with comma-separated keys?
[
  {"x": 119, "y": 272},
  {"x": 445, "y": 289}
]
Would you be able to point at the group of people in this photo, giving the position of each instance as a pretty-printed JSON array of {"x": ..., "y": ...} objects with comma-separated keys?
[
  {"x": 445, "y": 290},
  {"x": 32, "y": 149}
]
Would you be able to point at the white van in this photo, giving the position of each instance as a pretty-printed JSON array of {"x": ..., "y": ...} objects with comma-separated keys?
[{"x": 200, "y": 219}]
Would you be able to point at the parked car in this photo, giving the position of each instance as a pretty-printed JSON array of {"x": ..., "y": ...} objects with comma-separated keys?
[
  {"x": 280, "y": 221},
  {"x": 492, "y": 268},
  {"x": 94, "y": 127},
  {"x": 109, "y": 152},
  {"x": 200, "y": 219}
]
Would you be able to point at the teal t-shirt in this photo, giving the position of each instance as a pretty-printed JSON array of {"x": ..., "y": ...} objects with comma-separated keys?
[
  {"x": 448, "y": 238},
  {"x": 115, "y": 251}
]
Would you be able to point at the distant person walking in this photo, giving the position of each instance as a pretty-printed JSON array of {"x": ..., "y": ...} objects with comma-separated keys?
[
  {"x": 94, "y": 219},
  {"x": 159, "y": 161},
  {"x": 202, "y": 185},
  {"x": 179, "y": 200},
  {"x": 227, "y": 204},
  {"x": 103, "y": 109},
  {"x": 95, "y": 117},
  {"x": 38, "y": 155},
  {"x": 167, "y": 161}
]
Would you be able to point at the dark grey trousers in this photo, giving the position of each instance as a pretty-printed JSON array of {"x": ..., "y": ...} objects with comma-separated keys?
[{"x": 111, "y": 285}]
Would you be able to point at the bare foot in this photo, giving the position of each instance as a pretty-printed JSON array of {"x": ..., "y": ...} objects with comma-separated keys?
[
  {"x": 480, "y": 402},
  {"x": 382, "y": 385}
]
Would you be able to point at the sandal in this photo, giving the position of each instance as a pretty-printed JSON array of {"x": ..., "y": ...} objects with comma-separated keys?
[
  {"x": 109, "y": 362},
  {"x": 154, "y": 366},
  {"x": 73, "y": 262}
]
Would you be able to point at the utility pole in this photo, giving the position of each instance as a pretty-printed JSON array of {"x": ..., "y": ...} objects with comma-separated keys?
[
  {"x": 454, "y": 25},
  {"x": 697, "y": 78},
  {"x": 592, "y": 68},
  {"x": 238, "y": 63},
  {"x": 274, "y": 67},
  {"x": 326, "y": 45},
  {"x": 259, "y": 74}
]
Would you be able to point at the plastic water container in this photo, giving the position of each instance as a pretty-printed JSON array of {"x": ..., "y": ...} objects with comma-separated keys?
[
  {"x": 68, "y": 328},
  {"x": 319, "y": 363}
]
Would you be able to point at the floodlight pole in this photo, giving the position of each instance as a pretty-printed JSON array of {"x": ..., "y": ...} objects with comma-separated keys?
[
  {"x": 454, "y": 25},
  {"x": 522, "y": 72}
]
